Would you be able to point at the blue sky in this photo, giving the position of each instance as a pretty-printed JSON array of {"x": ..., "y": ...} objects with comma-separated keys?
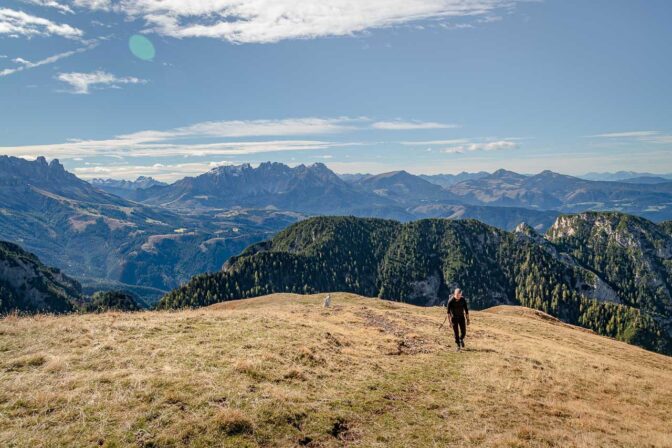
[{"x": 430, "y": 86}]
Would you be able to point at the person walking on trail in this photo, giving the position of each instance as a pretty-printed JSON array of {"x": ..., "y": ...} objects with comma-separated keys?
[{"x": 458, "y": 312}]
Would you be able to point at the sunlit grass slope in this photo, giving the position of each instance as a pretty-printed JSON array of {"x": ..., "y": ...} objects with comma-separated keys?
[{"x": 284, "y": 371}]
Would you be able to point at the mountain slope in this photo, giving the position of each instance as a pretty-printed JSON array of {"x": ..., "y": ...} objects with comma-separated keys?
[
  {"x": 27, "y": 285},
  {"x": 420, "y": 262},
  {"x": 283, "y": 371}
]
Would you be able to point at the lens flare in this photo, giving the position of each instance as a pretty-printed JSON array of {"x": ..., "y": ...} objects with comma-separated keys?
[{"x": 141, "y": 47}]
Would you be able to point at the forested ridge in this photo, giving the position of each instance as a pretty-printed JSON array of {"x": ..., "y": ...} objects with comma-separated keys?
[
  {"x": 28, "y": 285},
  {"x": 621, "y": 290}
]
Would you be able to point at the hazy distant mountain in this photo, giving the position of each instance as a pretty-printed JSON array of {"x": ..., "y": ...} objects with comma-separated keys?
[
  {"x": 316, "y": 190},
  {"x": 404, "y": 188},
  {"x": 446, "y": 180},
  {"x": 553, "y": 191},
  {"x": 624, "y": 176},
  {"x": 647, "y": 180},
  {"x": 356, "y": 177},
  {"x": 308, "y": 189},
  {"x": 126, "y": 188},
  {"x": 506, "y": 218}
]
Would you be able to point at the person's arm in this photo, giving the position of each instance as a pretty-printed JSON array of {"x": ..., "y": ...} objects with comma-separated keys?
[
  {"x": 448, "y": 308},
  {"x": 466, "y": 310}
]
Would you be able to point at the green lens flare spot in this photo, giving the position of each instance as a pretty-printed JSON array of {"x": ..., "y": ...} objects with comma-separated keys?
[{"x": 141, "y": 47}]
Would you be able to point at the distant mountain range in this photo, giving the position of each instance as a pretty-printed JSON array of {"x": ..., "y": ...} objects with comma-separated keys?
[
  {"x": 400, "y": 195},
  {"x": 606, "y": 271},
  {"x": 447, "y": 180},
  {"x": 126, "y": 188},
  {"x": 567, "y": 194},
  {"x": 151, "y": 236},
  {"x": 628, "y": 176}
]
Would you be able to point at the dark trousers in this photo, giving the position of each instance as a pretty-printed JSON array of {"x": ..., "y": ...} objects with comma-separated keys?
[{"x": 459, "y": 327}]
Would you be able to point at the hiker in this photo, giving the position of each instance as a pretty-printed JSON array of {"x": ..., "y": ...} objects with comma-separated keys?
[
  {"x": 459, "y": 316},
  {"x": 327, "y": 301}
]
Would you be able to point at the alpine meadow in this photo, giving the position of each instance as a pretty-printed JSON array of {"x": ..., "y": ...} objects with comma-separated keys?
[{"x": 335, "y": 223}]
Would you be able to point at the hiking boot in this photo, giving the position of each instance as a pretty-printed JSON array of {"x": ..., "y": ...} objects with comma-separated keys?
[
  {"x": 462, "y": 343},
  {"x": 458, "y": 348}
]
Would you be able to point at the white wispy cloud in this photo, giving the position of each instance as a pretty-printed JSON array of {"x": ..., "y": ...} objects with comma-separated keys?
[
  {"x": 455, "y": 141},
  {"x": 411, "y": 125},
  {"x": 82, "y": 83},
  {"x": 26, "y": 65},
  {"x": 266, "y": 21},
  {"x": 484, "y": 146},
  {"x": 188, "y": 141},
  {"x": 464, "y": 145},
  {"x": 62, "y": 7},
  {"x": 654, "y": 137},
  {"x": 19, "y": 23},
  {"x": 627, "y": 134},
  {"x": 21, "y": 61}
]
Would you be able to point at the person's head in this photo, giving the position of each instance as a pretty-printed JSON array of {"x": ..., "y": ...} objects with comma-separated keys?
[{"x": 458, "y": 293}]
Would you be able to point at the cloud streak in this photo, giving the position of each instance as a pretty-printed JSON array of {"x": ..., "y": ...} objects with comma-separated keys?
[
  {"x": 82, "y": 83},
  {"x": 498, "y": 145},
  {"x": 26, "y": 65},
  {"x": 655, "y": 137},
  {"x": 18, "y": 23},
  {"x": 466, "y": 145},
  {"x": 51, "y": 4},
  {"x": 196, "y": 140},
  {"x": 411, "y": 125}
]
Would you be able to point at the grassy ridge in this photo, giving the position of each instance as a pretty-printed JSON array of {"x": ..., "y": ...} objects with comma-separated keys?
[{"x": 283, "y": 371}]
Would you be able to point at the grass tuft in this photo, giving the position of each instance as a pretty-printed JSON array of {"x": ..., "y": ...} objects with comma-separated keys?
[{"x": 232, "y": 422}]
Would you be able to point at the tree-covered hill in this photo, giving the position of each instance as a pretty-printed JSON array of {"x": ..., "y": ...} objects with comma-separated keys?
[
  {"x": 102, "y": 301},
  {"x": 422, "y": 261}
]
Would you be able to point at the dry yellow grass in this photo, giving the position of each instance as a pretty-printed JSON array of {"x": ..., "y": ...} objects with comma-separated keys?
[{"x": 283, "y": 371}]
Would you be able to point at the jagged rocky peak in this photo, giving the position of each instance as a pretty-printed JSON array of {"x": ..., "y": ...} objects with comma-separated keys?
[
  {"x": 571, "y": 225},
  {"x": 141, "y": 183},
  {"x": 34, "y": 170},
  {"x": 525, "y": 229},
  {"x": 230, "y": 169}
]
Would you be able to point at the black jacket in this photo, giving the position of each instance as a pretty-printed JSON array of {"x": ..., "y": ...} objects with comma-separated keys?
[{"x": 457, "y": 308}]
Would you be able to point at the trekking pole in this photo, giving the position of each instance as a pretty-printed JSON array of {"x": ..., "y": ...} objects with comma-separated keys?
[{"x": 444, "y": 321}]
